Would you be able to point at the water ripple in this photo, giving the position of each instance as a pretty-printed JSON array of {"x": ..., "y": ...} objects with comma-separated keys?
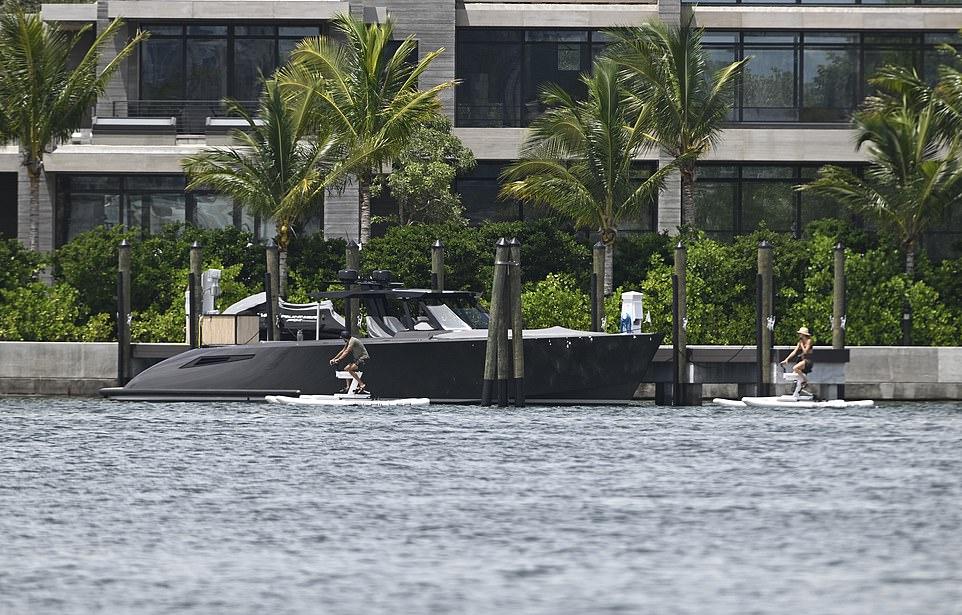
[{"x": 234, "y": 508}]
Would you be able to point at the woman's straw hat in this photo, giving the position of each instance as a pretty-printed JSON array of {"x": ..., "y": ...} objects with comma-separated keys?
[{"x": 804, "y": 331}]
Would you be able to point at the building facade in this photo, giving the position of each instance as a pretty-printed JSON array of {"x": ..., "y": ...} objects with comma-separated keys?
[{"x": 809, "y": 69}]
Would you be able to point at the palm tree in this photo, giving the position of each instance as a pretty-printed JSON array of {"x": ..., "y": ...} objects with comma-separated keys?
[
  {"x": 42, "y": 98},
  {"x": 277, "y": 171},
  {"x": 578, "y": 159},
  {"x": 682, "y": 104},
  {"x": 368, "y": 95},
  {"x": 914, "y": 174}
]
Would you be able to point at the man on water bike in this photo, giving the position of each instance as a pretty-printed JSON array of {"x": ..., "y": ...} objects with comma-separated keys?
[{"x": 354, "y": 346}]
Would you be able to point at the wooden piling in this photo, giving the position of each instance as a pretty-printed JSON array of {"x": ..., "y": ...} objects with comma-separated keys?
[
  {"x": 681, "y": 328},
  {"x": 437, "y": 265},
  {"x": 195, "y": 291},
  {"x": 492, "y": 348},
  {"x": 352, "y": 259},
  {"x": 123, "y": 313},
  {"x": 598, "y": 287},
  {"x": 517, "y": 323},
  {"x": 764, "y": 349},
  {"x": 838, "y": 298},
  {"x": 272, "y": 289}
]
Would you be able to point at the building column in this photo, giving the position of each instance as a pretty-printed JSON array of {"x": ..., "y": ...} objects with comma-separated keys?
[
  {"x": 669, "y": 199},
  {"x": 342, "y": 213},
  {"x": 46, "y": 237},
  {"x": 433, "y": 23},
  {"x": 117, "y": 87}
]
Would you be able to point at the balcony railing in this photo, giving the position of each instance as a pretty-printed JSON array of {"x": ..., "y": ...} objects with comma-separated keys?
[{"x": 191, "y": 114}]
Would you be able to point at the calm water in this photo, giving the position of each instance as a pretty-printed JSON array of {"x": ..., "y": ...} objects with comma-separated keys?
[{"x": 108, "y": 507}]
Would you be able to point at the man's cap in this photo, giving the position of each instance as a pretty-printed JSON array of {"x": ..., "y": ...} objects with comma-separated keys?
[{"x": 346, "y": 334}]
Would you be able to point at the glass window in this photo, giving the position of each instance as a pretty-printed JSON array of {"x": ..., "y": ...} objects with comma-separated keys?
[
  {"x": 154, "y": 182},
  {"x": 552, "y": 63},
  {"x": 252, "y": 58},
  {"x": 206, "y": 30},
  {"x": 206, "y": 77},
  {"x": 213, "y": 211},
  {"x": 162, "y": 69},
  {"x": 490, "y": 92},
  {"x": 163, "y": 30},
  {"x": 255, "y": 31},
  {"x": 828, "y": 84},
  {"x": 768, "y": 202},
  {"x": 565, "y": 36},
  {"x": 298, "y": 31},
  {"x": 479, "y": 195},
  {"x": 715, "y": 208},
  {"x": 769, "y": 86}
]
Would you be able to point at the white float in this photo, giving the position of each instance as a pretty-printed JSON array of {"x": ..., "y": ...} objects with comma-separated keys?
[
  {"x": 787, "y": 401},
  {"x": 344, "y": 400}
]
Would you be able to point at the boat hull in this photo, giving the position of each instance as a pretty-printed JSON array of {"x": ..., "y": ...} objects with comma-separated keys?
[{"x": 583, "y": 367}]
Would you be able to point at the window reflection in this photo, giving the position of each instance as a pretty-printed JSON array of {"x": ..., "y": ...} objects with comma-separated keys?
[{"x": 149, "y": 203}]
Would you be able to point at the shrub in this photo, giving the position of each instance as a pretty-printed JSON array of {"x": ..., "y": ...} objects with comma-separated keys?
[
  {"x": 18, "y": 265},
  {"x": 37, "y": 312},
  {"x": 556, "y": 301}
]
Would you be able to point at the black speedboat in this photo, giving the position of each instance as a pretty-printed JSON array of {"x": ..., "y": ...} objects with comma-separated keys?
[{"x": 422, "y": 343}]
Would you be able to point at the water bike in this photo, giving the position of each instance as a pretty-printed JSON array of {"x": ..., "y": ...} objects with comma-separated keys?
[
  {"x": 349, "y": 397},
  {"x": 798, "y": 399}
]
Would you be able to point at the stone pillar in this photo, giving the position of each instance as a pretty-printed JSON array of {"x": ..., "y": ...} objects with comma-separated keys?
[
  {"x": 341, "y": 214},
  {"x": 669, "y": 200},
  {"x": 46, "y": 238},
  {"x": 117, "y": 89},
  {"x": 433, "y": 22}
]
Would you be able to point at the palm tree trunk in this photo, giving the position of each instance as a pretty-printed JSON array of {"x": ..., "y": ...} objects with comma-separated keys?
[
  {"x": 34, "y": 174},
  {"x": 283, "y": 240},
  {"x": 688, "y": 195},
  {"x": 609, "y": 266},
  {"x": 364, "y": 203},
  {"x": 910, "y": 260}
]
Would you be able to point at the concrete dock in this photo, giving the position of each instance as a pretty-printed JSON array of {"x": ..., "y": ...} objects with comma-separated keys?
[{"x": 871, "y": 372}]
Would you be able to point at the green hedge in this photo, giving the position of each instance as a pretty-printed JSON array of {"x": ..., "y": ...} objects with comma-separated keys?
[{"x": 556, "y": 263}]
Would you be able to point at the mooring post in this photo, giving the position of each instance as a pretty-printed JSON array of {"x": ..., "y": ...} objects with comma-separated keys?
[
  {"x": 764, "y": 349},
  {"x": 598, "y": 287},
  {"x": 352, "y": 259},
  {"x": 196, "y": 293},
  {"x": 681, "y": 348},
  {"x": 271, "y": 287},
  {"x": 517, "y": 324},
  {"x": 504, "y": 323},
  {"x": 123, "y": 313},
  {"x": 494, "y": 323},
  {"x": 838, "y": 298},
  {"x": 906, "y": 322},
  {"x": 437, "y": 265}
]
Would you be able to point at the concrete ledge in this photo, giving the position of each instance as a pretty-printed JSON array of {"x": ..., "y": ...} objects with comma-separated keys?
[
  {"x": 58, "y": 360},
  {"x": 302, "y": 10},
  {"x": 862, "y": 17},
  {"x": 119, "y": 158},
  {"x": 764, "y": 144},
  {"x": 553, "y": 15},
  {"x": 69, "y": 13},
  {"x": 54, "y": 386}
]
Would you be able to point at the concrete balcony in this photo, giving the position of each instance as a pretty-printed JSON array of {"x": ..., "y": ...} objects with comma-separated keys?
[
  {"x": 69, "y": 13},
  {"x": 290, "y": 10},
  {"x": 551, "y": 14},
  {"x": 800, "y": 17}
]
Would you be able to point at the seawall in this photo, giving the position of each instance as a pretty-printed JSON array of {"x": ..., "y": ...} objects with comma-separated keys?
[{"x": 873, "y": 372}]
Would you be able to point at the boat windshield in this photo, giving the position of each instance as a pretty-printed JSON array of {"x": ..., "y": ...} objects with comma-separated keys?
[
  {"x": 446, "y": 317},
  {"x": 468, "y": 310}
]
